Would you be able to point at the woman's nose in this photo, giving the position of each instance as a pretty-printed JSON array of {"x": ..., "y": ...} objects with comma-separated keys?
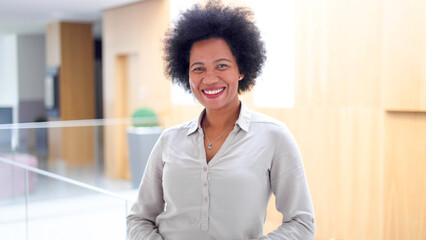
[{"x": 210, "y": 77}]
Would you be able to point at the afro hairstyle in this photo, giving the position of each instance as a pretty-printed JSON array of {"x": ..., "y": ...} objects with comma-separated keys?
[{"x": 214, "y": 20}]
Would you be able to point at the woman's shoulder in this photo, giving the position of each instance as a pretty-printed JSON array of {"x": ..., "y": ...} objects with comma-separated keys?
[
  {"x": 264, "y": 120},
  {"x": 275, "y": 130},
  {"x": 265, "y": 124}
]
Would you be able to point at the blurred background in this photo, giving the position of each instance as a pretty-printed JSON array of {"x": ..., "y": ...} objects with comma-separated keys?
[{"x": 82, "y": 88}]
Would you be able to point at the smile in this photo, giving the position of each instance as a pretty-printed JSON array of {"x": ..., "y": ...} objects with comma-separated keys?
[{"x": 214, "y": 91}]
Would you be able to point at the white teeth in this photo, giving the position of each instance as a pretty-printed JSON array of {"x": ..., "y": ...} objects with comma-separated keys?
[{"x": 213, "y": 91}]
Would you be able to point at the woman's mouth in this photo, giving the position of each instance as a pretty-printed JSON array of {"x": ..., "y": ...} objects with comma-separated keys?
[{"x": 213, "y": 92}]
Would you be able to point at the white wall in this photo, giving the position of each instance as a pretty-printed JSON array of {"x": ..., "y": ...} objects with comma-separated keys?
[
  {"x": 31, "y": 67},
  {"x": 22, "y": 70},
  {"x": 9, "y": 73}
]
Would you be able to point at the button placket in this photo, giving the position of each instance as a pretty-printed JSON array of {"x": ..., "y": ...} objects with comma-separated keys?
[{"x": 205, "y": 199}]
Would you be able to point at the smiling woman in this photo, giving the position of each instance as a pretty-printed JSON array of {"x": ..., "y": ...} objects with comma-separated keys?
[
  {"x": 214, "y": 75},
  {"x": 211, "y": 178}
]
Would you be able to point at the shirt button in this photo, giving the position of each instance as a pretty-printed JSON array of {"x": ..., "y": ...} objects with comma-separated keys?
[
  {"x": 206, "y": 199},
  {"x": 205, "y": 184},
  {"x": 205, "y": 169},
  {"x": 204, "y": 214}
]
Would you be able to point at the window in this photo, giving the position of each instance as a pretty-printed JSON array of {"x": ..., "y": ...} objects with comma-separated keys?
[{"x": 275, "y": 87}]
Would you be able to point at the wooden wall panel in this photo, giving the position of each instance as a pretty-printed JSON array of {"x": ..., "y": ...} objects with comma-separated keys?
[
  {"x": 135, "y": 31},
  {"x": 405, "y": 181},
  {"x": 77, "y": 81},
  {"x": 54, "y": 137},
  {"x": 78, "y": 146},
  {"x": 77, "y": 93},
  {"x": 404, "y": 55},
  {"x": 404, "y": 91},
  {"x": 336, "y": 57},
  {"x": 341, "y": 149},
  {"x": 337, "y": 119},
  {"x": 117, "y": 144}
]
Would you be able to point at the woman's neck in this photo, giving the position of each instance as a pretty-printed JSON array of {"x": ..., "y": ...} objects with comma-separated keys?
[{"x": 222, "y": 118}]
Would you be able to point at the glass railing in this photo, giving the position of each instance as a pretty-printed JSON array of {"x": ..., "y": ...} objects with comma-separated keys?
[
  {"x": 35, "y": 204},
  {"x": 68, "y": 179}
]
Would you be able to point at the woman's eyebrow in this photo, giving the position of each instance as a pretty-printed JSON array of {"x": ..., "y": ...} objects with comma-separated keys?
[
  {"x": 196, "y": 64},
  {"x": 223, "y": 59},
  {"x": 216, "y": 61}
]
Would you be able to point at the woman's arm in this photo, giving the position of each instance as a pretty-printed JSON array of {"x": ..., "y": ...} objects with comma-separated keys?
[
  {"x": 150, "y": 203},
  {"x": 290, "y": 187}
]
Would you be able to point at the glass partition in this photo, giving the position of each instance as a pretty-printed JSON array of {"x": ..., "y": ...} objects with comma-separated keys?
[
  {"x": 70, "y": 179},
  {"x": 35, "y": 204}
]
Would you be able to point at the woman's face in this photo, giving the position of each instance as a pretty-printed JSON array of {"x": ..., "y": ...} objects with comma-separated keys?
[{"x": 214, "y": 74}]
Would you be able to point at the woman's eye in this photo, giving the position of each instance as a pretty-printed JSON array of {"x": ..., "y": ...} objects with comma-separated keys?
[
  {"x": 198, "y": 69},
  {"x": 221, "y": 66}
]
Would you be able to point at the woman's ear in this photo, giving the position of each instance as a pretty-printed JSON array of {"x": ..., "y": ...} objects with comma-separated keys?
[{"x": 241, "y": 77}]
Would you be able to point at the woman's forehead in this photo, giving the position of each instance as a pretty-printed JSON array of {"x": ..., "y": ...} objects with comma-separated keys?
[{"x": 211, "y": 49}]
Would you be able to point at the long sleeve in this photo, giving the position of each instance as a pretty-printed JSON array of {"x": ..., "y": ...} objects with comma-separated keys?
[
  {"x": 141, "y": 218},
  {"x": 290, "y": 187}
]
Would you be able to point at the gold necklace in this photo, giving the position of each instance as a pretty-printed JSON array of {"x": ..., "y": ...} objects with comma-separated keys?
[{"x": 208, "y": 140}]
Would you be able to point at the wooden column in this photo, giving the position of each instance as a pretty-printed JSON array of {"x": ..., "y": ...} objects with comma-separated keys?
[{"x": 70, "y": 47}]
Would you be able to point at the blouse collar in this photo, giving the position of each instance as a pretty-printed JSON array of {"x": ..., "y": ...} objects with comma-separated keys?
[{"x": 243, "y": 120}]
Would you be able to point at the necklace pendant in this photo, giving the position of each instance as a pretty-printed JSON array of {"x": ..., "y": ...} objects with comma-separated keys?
[{"x": 210, "y": 146}]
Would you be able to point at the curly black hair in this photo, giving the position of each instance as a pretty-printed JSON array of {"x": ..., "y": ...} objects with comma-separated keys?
[{"x": 214, "y": 20}]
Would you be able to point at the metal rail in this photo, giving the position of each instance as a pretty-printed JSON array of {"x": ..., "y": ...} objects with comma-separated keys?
[{"x": 79, "y": 123}]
